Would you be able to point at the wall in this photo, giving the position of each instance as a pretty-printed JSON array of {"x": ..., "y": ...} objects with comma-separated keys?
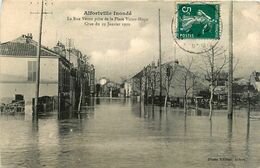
[
  {"x": 8, "y": 90},
  {"x": 258, "y": 86},
  {"x": 128, "y": 88},
  {"x": 14, "y": 77},
  {"x": 15, "y": 69}
]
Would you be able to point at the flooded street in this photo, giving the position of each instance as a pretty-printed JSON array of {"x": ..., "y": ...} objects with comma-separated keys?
[{"x": 121, "y": 133}]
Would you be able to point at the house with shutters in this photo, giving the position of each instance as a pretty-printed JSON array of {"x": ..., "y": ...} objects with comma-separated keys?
[{"x": 18, "y": 72}]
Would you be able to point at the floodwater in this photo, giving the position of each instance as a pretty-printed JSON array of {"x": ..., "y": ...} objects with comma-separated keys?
[{"x": 120, "y": 133}]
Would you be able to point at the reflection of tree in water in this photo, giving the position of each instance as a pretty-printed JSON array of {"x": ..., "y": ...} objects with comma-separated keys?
[
  {"x": 229, "y": 151},
  {"x": 71, "y": 150},
  {"x": 247, "y": 144},
  {"x": 210, "y": 127},
  {"x": 34, "y": 152},
  {"x": 97, "y": 101}
]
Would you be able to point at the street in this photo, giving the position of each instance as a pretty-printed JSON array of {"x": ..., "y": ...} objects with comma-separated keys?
[{"x": 122, "y": 133}]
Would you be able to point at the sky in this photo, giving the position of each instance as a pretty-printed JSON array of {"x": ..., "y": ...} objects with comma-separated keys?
[{"x": 120, "y": 52}]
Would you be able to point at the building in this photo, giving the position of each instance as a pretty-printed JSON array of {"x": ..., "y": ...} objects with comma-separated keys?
[
  {"x": 255, "y": 80},
  {"x": 177, "y": 82},
  {"x": 127, "y": 85},
  {"x": 58, "y": 77},
  {"x": 108, "y": 88},
  {"x": 82, "y": 75}
]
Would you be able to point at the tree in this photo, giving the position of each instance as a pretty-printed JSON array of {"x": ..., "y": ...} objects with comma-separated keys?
[
  {"x": 83, "y": 75},
  {"x": 152, "y": 75},
  {"x": 188, "y": 81},
  {"x": 169, "y": 72},
  {"x": 214, "y": 60}
]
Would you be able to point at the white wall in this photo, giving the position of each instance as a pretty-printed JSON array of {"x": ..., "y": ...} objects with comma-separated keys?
[
  {"x": 8, "y": 90},
  {"x": 14, "y": 77},
  {"x": 128, "y": 88},
  {"x": 15, "y": 69},
  {"x": 258, "y": 86}
]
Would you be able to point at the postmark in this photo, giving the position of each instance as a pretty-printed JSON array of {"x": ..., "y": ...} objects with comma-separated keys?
[{"x": 196, "y": 26}]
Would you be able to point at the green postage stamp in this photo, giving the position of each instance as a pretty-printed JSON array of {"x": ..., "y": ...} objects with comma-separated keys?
[{"x": 198, "y": 21}]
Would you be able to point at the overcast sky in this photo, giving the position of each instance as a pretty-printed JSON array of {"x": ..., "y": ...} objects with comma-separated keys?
[{"x": 123, "y": 51}]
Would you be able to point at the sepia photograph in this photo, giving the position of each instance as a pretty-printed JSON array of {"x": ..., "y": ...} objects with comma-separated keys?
[{"x": 129, "y": 84}]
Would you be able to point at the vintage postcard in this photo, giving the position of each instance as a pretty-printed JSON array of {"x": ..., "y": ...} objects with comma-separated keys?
[{"x": 129, "y": 84}]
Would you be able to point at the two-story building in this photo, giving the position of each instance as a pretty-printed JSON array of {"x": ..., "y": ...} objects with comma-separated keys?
[
  {"x": 174, "y": 84},
  {"x": 18, "y": 71}
]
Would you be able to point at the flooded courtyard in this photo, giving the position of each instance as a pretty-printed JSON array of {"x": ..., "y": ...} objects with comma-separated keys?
[{"x": 121, "y": 133}]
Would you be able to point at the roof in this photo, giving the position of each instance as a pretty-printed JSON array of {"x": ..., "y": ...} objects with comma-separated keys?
[
  {"x": 23, "y": 49},
  {"x": 173, "y": 63},
  {"x": 24, "y": 46}
]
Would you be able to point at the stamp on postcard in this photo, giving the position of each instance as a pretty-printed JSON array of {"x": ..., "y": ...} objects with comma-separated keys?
[
  {"x": 197, "y": 26},
  {"x": 198, "y": 21}
]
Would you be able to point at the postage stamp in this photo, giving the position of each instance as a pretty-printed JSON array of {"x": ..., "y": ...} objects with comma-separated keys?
[{"x": 198, "y": 21}]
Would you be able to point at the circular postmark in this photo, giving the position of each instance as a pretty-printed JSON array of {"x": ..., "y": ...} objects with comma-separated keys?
[{"x": 197, "y": 27}]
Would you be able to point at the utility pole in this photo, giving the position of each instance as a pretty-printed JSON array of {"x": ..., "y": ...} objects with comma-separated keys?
[
  {"x": 230, "y": 76},
  {"x": 160, "y": 58},
  {"x": 140, "y": 82},
  {"x": 38, "y": 63},
  {"x": 38, "y": 59},
  {"x": 145, "y": 84},
  {"x": 69, "y": 46},
  {"x": 249, "y": 103}
]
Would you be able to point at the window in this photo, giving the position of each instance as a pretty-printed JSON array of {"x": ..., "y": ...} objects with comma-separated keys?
[{"x": 31, "y": 70}]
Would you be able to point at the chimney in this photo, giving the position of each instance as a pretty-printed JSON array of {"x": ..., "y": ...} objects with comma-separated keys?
[
  {"x": 176, "y": 62},
  {"x": 59, "y": 48},
  {"x": 28, "y": 37}
]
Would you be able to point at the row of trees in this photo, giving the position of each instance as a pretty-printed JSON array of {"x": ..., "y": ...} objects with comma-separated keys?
[
  {"x": 83, "y": 77},
  {"x": 185, "y": 76}
]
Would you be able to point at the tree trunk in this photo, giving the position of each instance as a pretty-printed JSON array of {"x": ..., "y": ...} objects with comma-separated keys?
[
  {"x": 211, "y": 85},
  {"x": 165, "y": 101},
  {"x": 153, "y": 100},
  {"x": 210, "y": 102},
  {"x": 185, "y": 105},
  {"x": 80, "y": 97}
]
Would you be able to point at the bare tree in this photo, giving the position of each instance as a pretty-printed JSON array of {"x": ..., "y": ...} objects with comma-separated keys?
[
  {"x": 215, "y": 60},
  {"x": 153, "y": 75},
  {"x": 83, "y": 75},
  {"x": 169, "y": 72},
  {"x": 150, "y": 79},
  {"x": 187, "y": 80}
]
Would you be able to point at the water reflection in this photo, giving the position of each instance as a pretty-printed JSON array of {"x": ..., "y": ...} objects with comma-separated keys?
[
  {"x": 229, "y": 155},
  {"x": 14, "y": 116},
  {"x": 185, "y": 125},
  {"x": 34, "y": 152},
  {"x": 210, "y": 127},
  {"x": 121, "y": 133},
  {"x": 97, "y": 101}
]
